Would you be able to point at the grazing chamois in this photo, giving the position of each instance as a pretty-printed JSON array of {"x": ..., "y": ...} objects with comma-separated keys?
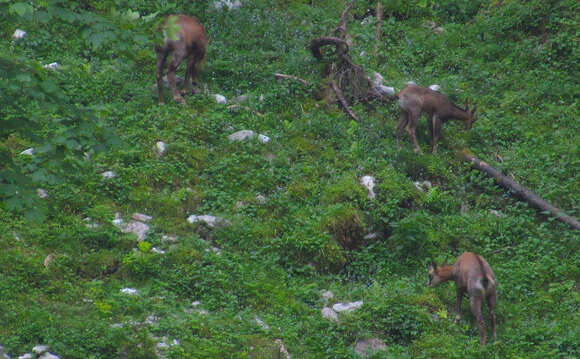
[
  {"x": 473, "y": 275},
  {"x": 414, "y": 100},
  {"x": 186, "y": 38}
]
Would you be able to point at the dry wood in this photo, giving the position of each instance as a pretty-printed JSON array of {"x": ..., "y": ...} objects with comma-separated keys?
[
  {"x": 317, "y": 43},
  {"x": 342, "y": 101},
  {"x": 519, "y": 190},
  {"x": 379, "y": 26},
  {"x": 290, "y": 77}
]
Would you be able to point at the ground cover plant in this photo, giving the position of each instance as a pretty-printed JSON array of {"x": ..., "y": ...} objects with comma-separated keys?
[{"x": 296, "y": 220}]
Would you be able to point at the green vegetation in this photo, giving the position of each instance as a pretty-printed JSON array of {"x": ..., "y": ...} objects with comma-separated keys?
[{"x": 297, "y": 214}]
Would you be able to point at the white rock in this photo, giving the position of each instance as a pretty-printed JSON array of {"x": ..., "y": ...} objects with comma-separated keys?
[
  {"x": 326, "y": 295},
  {"x": 363, "y": 54},
  {"x": 90, "y": 224},
  {"x": 230, "y": 5},
  {"x": 496, "y": 213},
  {"x": 160, "y": 148},
  {"x": 260, "y": 199},
  {"x": 48, "y": 356},
  {"x": 411, "y": 83},
  {"x": 241, "y": 135},
  {"x": 138, "y": 228},
  {"x": 369, "y": 183},
  {"x": 141, "y": 217},
  {"x": 435, "y": 87},
  {"x": 424, "y": 185},
  {"x": 385, "y": 90},
  {"x": 108, "y": 174},
  {"x": 196, "y": 303},
  {"x": 118, "y": 219},
  {"x": 42, "y": 193},
  {"x": 263, "y": 138},
  {"x": 157, "y": 250},
  {"x": 170, "y": 239},
  {"x": 162, "y": 346},
  {"x": 261, "y": 98},
  {"x": 265, "y": 327},
  {"x": 26, "y": 356},
  {"x": 329, "y": 314},
  {"x": 3, "y": 353},
  {"x": 283, "y": 349},
  {"x": 52, "y": 66},
  {"x": 366, "y": 348},
  {"x": 370, "y": 236},
  {"x": 347, "y": 307},
  {"x": 220, "y": 98},
  {"x": 28, "y": 152},
  {"x": 129, "y": 291},
  {"x": 211, "y": 221},
  {"x": 18, "y": 34},
  {"x": 39, "y": 349}
]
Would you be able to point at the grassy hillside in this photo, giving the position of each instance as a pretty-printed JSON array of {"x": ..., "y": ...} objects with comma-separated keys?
[{"x": 297, "y": 218}]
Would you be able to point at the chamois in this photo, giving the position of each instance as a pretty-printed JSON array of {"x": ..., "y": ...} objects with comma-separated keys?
[
  {"x": 414, "y": 100},
  {"x": 189, "y": 41},
  {"x": 473, "y": 275}
]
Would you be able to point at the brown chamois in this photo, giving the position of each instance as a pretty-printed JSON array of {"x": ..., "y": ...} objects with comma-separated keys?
[
  {"x": 186, "y": 37},
  {"x": 414, "y": 100},
  {"x": 473, "y": 275}
]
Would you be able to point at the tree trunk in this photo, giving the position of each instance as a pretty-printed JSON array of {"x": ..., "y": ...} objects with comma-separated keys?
[{"x": 520, "y": 191}]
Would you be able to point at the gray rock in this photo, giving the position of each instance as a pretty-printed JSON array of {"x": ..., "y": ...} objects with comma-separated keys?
[
  {"x": 366, "y": 348},
  {"x": 28, "y": 152},
  {"x": 435, "y": 87},
  {"x": 48, "y": 356},
  {"x": 26, "y": 356},
  {"x": 220, "y": 99},
  {"x": 211, "y": 221},
  {"x": 141, "y": 217},
  {"x": 330, "y": 314},
  {"x": 326, "y": 295},
  {"x": 347, "y": 307},
  {"x": 18, "y": 34},
  {"x": 140, "y": 229},
  {"x": 241, "y": 135},
  {"x": 108, "y": 174},
  {"x": 51, "y": 66},
  {"x": 3, "y": 353},
  {"x": 265, "y": 327},
  {"x": 369, "y": 183},
  {"x": 129, "y": 291},
  {"x": 160, "y": 148},
  {"x": 39, "y": 349},
  {"x": 41, "y": 193}
]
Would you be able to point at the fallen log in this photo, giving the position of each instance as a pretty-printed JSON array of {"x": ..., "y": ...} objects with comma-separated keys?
[{"x": 519, "y": 190}]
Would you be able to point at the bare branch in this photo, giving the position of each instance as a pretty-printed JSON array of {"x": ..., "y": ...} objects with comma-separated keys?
[
  {"x": 342, "y": 101},
  {"x": 519, "y": 190},
  {"x": 290, "y": 77},
  {"x": 317, "y": 43}
]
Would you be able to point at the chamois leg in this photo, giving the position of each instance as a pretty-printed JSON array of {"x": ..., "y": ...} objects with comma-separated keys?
[
  {"x": 476, "y": 302},
  {"x": 188, "y": 75},
  {"x": 460, "y": 293},
  {"x": 491, "y": 301},
  {"x": 435, "y": 131},
  {"x": 411, "y": 127},
  {"x": 403, "y": 121},
  {"x": 176, "y": 59},
  {"x": 161, "y": 58}
]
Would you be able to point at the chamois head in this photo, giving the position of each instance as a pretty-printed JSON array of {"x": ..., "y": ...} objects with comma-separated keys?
[
  {"x": 435, "y": 277},
  {"x": 471, "y": 115}
]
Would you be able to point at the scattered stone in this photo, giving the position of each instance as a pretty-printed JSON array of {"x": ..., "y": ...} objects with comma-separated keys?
[
  {"x": 196, "y": 303},
  {"x": 241, "y": 135},
  {"x": 435, "y": 87},
  {"x": 26, "y": 356},
  {"x": 366, "y": 348},
  {"x": 118, "y": 219},
  {"x": 28, "y": 152},
  {"x": 265, "y": 327},
  {"x": 18, "y": 34},
  {"x": 260, "y": 199},
  {"x": 283, "y": 349},
  {"x": 3, "y": 353},
  {"x": 170, "y": 239},
  {"x": 48, "y": 355},
  {"x": 371, "y": 236},
  {"x": 261, "y": 98},
  {"x": 438, "y": 30},
  {"x": 141, "y": 217},
  {"x": 369, "y": 183},
  {"x": 39, "y": 349},
  {"x": 138, "y": 228},
  {"x": 157, "y": 250},
  {"x": 52, "y": 66},
  {"x": 108, "y": 174},
  {"x": 363, "y": 54},
  {"x": 230, "y": 5},
  {"x": 411, "y": 83},
  {"x": 240, "y": 99},
  {"x": 423, "y": 185},
  {"x": 220, "y": 98},
  {"x": 42, "y": 193},
  {"x": 211, "y": 221},
  {"x": 160, "y": 148},
  {"x": 89, "y": 223},
  {"x": 216, "y": 250},
  {"x": 129, "y": 291},
  {"x": 263, "y": 138},
  {"x": 496, "y": 213},
  {"x": 327, "y": 295},
  {"x": 385, "y": 90},
  {"x": 152, "y": 320},
  {"x": 329, "y": 314},
  {"x": 347, "y": 307},
  {"x": 49, "y": 258}
]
